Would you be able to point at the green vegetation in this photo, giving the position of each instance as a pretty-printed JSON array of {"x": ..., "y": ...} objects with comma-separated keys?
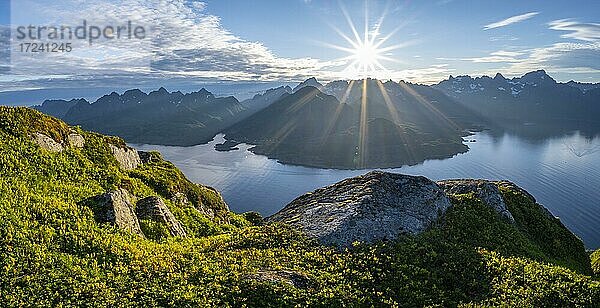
[
  {"x": 596, "y": 262},
  {"x": 54, "y": 253}
]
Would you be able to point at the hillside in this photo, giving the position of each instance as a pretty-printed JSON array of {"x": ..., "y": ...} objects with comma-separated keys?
[
  {"x": 394, "y": 125},
  {"x": 86, "y": 221}
]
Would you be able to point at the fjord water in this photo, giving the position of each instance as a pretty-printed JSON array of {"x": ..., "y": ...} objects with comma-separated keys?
[{"x": 563, "y": 173}]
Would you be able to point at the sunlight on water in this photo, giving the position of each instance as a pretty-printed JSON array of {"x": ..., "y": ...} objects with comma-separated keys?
[{"x": 562, "y": 173}]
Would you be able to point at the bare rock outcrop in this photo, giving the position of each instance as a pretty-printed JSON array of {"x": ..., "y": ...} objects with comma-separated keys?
[
  {"x": 73, "y": 139},
  {"x": 154, "y": 208},
  {"x": 486, "y": 191},
  {"x": 47, "y": 143},
  {"x": 76, "y": 140},
  {"x": 116, "y": 208},
  {"x": 127, "y": 157},
  {"x": 367, "y": 208}
]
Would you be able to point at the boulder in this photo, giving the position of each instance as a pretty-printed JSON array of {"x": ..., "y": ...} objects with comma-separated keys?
[
  {"x": 484, "y": 190},
  {"x": 115, "y": 207},
  {"x": 47, "y": 143},
  {"x": 375, "y": 206},
  {"x": 76, "y": 140},
  {"x": 154, "y": 208},
  {"x": 127, "y": 157}
]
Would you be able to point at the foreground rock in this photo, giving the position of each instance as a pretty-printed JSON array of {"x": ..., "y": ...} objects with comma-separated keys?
[
  {"x": 486, "y": 191},
  {"x": 368, "y": 208},
  {"x": 127, "y": 157},
  {"x": 154, "y": 208},
  {"x": 73, "y": 139},
  {"x": 47, "y": 143},
  {"x": 116, "y": 208}
]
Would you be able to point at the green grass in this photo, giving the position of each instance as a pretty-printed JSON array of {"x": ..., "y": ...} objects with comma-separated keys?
[{"x": 54, "y": 253}]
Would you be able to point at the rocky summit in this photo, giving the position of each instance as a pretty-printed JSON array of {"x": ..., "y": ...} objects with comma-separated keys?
[
  {"x": 375, "y": 206},
  {"x": 380, "y": 206}
]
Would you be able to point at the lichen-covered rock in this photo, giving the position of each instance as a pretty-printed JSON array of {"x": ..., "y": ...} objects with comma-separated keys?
[
  {"x": 76, "y": 140},
  {"x": 115, "y": 207},
  {"x": 367, "y": 208},
  {"x": 154, "y": 208},
  {"x": 127, "y": 157},
  {"x": 47, "y": 143},
  {"x": 484, "y": 190}
]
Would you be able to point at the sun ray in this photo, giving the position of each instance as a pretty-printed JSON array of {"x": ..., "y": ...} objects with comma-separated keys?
[
  {"x": 350, "y": 23},
  {"x": 396, "y": 118},
  {"x": 363, "y": 127}
]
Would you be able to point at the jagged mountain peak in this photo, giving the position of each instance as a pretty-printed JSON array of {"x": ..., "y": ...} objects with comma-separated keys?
[
  {"x": 537, "y": 76},
  {"x": 309, "y": 82}
]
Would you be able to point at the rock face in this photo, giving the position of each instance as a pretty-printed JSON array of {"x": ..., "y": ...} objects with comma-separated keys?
[
  {"x": 115, "y": 207},
  {"x": 127, "y": 157},
  {"x": 486, "y": 191},
  {"x": 154, "y": 208},
  {"x": 375, "y": 206},
  {"x": 47, "y": 143}
]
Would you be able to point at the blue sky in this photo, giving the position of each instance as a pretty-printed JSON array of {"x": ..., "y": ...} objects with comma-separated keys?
[{"x": 231, "y": 40}]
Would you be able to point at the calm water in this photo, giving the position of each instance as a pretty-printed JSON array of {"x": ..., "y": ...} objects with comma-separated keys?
[{"x": 562, "y": 173}]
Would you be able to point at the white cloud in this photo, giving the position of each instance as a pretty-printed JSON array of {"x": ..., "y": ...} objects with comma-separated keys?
[
  {"x": 510, "y": 21},
  {"x": 581, "y": 31},
  {"x": 558, "y": 57},
  {"x": 183, "y": 41},
  {"x": 500, "y": 56}
]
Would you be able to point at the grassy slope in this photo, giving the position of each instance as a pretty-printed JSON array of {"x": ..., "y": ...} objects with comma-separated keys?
[{"x": 52, "y": 251}]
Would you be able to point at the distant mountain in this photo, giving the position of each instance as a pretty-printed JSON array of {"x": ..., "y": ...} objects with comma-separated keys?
[
  {"x": 311, "y": 82},
  {"x": 583, "y": 86},
  {"x": 395, "y": 124},
  {"x": 261, "y": 101},
  {"x": 534, "y": 98},
  {"x": 59, "y": 108},
  {"x": 158, "y": 117}
]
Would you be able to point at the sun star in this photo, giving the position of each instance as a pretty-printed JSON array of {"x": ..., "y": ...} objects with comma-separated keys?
[{"x": 366, "y": 52}]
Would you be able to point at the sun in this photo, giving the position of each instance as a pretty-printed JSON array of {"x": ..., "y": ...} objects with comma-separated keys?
[
  {"x": 367, "y": 52},
  {"x": 366, "y": 56}
]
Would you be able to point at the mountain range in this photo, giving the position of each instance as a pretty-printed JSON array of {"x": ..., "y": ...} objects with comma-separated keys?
[
  {"x": 346, "y": 124},
  {"x": 534, "y": 98},
  {"x": 158, "y": 117}
]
